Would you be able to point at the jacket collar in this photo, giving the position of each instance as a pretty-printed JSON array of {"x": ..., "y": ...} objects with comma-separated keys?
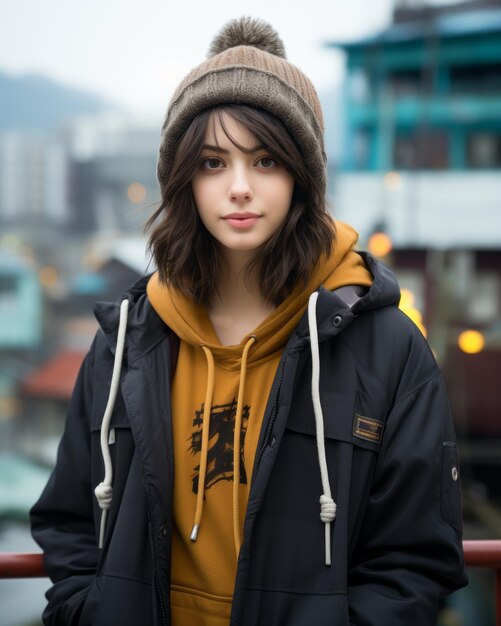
[
  {"x": 336, "y": 310},
  {"x": 145, "y": 329}
]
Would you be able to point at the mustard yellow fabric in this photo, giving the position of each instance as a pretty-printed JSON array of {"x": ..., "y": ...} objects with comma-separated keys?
[{"x": 203, "y": 572}]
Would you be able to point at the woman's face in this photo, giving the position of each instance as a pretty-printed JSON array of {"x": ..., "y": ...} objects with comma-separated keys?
[{"x": 242, "y": 197}]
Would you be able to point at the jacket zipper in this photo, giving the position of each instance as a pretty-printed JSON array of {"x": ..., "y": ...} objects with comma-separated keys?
[
  {"x": 159, "y": 591},
  {"x": 272, "y": 419}
]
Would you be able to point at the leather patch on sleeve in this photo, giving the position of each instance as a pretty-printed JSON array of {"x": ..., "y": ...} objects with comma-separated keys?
[{"x": 367, "y": 428}]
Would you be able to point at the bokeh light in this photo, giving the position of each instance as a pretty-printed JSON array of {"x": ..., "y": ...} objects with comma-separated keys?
[
  {"x": 380, "y": 244},
  {"x": 392, "y": 181},
  {"x": 471, "y": 341},
  {"x": 406, "y": 305},
  {"x": 48, "y": 277},
  {"x": 136, "y": 193}
]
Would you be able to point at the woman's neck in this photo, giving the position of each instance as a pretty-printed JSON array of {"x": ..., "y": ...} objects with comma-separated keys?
[{"x": 238, "y": 306}]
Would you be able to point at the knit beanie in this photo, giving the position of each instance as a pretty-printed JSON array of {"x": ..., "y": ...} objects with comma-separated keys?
[{"x": 246, "y": 64}]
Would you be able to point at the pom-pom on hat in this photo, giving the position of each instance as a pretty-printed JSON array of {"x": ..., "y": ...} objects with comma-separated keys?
[
  {"x": 246, "y": 64},
  {"x": 247, "y": 32}
]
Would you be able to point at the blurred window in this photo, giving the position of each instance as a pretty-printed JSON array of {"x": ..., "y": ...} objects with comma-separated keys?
[
  {"x": 8, "y": 286},
  {"x": 406, "y": 83},
  {"x": 483, "y": 150},
  {"x": 422, "y": 149},
  {"x": 484, "y": 305},
  {"x": 476, "y": 79},
  {"x": 8, "y": 298}
]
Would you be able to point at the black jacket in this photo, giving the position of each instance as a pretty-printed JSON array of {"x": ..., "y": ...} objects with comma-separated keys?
[{"x": 396, "y": 540}]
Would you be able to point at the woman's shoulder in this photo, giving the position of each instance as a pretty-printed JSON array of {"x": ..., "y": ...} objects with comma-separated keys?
[{"x": 389, "y": 345}]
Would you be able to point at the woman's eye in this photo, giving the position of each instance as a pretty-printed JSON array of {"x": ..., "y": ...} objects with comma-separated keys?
[
  {"x": 267, "y": 162},
  {"x": 211, "y": 163}
]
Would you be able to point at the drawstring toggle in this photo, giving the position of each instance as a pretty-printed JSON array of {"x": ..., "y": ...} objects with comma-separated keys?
[
  {"x": 104, "y": 495},
  {"x": 327, "y": 509}
]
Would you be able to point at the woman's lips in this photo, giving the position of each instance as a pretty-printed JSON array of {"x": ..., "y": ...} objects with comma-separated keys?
[{"x": 244, "y": 220}]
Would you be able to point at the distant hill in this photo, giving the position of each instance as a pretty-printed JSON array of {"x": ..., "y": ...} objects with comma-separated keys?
[{"x": 34, "y": 102}]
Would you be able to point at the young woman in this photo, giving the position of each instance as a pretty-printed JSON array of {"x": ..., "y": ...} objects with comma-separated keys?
[{"x": 258, "y": 435}]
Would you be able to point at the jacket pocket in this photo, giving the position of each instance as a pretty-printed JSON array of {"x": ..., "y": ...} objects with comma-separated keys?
[
  {"x": 124, "y": 601},
  {"x": 450, "y": 495},
  {"x": 344, "y": 417}
]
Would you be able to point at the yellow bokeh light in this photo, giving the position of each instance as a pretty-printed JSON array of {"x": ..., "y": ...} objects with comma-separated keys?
[
  {"x": 380, "y": 244},
  {"x": 471, "y": 341},
  {"x": 136, "y": 193},
  {"x": 423, "y": 330},
  {"x": 48, "y": 276},
  {"x": 406, "y": 305},
  {"x": 392, "y": 181},
  {"x": 414, "y": 314},
  {"x": 407, "y": 298},
  {"x": 417, "y": 318}
]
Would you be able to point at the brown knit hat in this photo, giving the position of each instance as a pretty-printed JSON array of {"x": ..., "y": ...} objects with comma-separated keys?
[{"x": 246, "y": 65}]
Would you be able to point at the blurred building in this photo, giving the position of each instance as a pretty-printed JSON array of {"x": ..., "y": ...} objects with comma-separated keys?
[
  {"x": 96, "y": 174},
  {"x": 20, "y": 304},
  {"x": 423, "y": 98},
  {"x": 71, "y": 198},
  {"x": 421, "y": 165},
  {"x": 33, "y": 180},
  {"x": 113, "y": 186},
  {"x": 44, "y": 395},
  {"x": 20, "y": 331}
]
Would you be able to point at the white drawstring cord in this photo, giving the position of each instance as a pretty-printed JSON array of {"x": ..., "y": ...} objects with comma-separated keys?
[
  {"x": 327, "y": 504},
  {"x": 104, "y": 491}
]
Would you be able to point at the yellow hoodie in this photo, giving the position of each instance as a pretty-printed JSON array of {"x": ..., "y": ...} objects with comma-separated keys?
[{"x": 219, "y": 395}]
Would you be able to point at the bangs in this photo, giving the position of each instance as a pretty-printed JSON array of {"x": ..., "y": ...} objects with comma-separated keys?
[{"x": 269, "y": 132}]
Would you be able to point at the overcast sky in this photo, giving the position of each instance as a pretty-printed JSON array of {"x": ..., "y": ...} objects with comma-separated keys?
[{"x": 135, "y": 53}]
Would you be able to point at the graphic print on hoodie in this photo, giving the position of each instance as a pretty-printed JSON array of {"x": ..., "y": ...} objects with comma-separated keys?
[
  {"x": 208, "y": 380},
  {"x": 220, "y": 453}
]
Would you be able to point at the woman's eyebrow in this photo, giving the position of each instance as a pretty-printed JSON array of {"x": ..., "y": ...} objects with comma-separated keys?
[{"x": 252, "y": 150}]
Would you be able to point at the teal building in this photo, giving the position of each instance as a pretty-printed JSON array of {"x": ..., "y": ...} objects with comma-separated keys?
[
  {"x": 20, "y": 304},
  {"x": 425, "y": 94}
]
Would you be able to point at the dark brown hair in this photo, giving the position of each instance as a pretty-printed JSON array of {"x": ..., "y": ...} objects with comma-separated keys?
[{"x": 187, "y": 255}]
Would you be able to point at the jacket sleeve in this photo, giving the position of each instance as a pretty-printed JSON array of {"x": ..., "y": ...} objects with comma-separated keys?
[
  {"x": 409, "y": 550},
  {"x": 62, "y": 519}
]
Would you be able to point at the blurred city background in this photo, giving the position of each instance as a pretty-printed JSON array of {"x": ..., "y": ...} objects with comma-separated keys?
[{"x": 411, "y": 92}]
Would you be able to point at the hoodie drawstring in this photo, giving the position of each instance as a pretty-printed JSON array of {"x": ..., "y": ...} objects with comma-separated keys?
[
  {"x": 104, "y": 491},
  {"x": 327, "y": 505},
  {"x": 236, "y": 444},
  {"x": 205, "y": 443}
]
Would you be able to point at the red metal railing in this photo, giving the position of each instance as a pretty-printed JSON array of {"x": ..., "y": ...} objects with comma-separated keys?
[
  {"x": 485, "y": 554},
  {"x": 21, "y": 565}
]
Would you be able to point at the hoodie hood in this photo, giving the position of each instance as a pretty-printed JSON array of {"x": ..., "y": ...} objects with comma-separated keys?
[
  {"x": 145, "y": 328},
  {"x": 190, "y": 322}
]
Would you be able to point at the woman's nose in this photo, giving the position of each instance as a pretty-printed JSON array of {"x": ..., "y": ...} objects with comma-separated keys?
[{"x": 240, "y": 187}]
